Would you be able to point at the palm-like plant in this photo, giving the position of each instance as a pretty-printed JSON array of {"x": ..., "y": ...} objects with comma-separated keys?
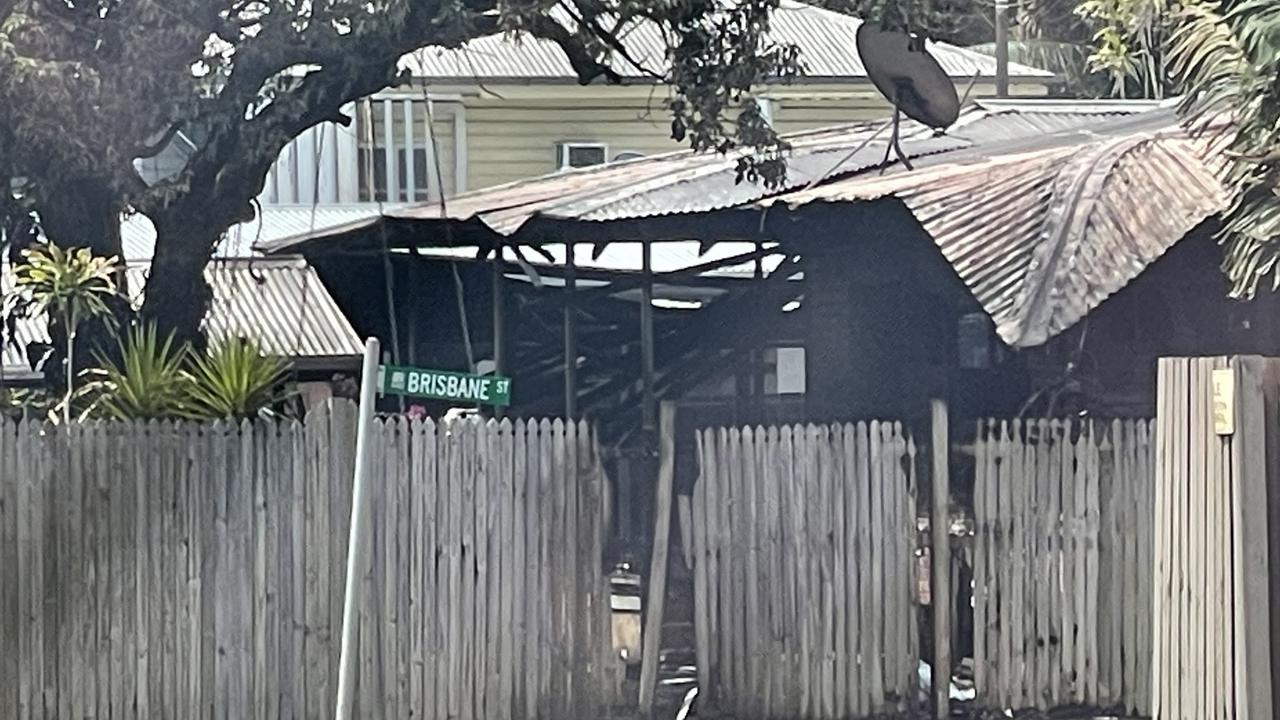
[
  {"x": 71, "y": 286},
  {"x": 1130, "y": 44},
  {"x": 1226, "y": 56},
  {"x": 236, "y": 380},
  {"x": 149, "y": 383},
  {"x": 1095, "y": 47}
]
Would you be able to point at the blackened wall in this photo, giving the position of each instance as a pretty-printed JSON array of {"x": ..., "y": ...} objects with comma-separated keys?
[
  {"x": 882, "y": 309},
  {"x": 1180, "y": 306}
]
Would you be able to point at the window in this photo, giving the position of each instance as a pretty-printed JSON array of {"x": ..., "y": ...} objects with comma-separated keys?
[
  {"x": 578, "y": 155},
  {"x": 379, "y": 184},
  {"x": 373, "y": 158},
  {"x": 784, "y": 371},
  {"x": 626, "y": 155}
]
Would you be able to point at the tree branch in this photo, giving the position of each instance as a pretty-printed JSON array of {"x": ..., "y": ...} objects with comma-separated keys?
[
  {"x": 608, "y": 37},
  {"x": 143, "y": 152},
  {"x": 586, "y": 66}
]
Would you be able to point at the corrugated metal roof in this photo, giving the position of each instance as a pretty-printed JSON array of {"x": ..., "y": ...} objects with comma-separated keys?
[
  {"x": 273, "y": 222},
  {"x": 692, "y": 184},
  {"x": 683, "y": 181},
  {"x": 1013, "y": 119},
  {"x": 278, "y": 302},
  {"x": 1043, "y": 236},
  {"x": 825, "y": 38}
]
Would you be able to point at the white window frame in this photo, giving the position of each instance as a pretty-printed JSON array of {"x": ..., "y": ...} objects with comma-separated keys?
[
  {"x": 564, "y": 148},
  {"x": 397, "y": 150}
]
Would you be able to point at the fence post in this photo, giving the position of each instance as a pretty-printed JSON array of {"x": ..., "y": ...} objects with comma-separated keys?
[
  {"x": 652, "y": 640},
  {"x": 940, "y": 561}
]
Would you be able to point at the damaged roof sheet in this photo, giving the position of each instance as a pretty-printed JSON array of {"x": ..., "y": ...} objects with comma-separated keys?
[{"x": 1042, "y": 235}]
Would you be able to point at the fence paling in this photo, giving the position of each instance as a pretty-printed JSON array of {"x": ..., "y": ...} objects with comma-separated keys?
[
  {"x": 1210, "y": 597},
  {"x": 803, "y": 569},
  {"x": 1062, "y": 513},
  {"x": 182, "y": 570}
]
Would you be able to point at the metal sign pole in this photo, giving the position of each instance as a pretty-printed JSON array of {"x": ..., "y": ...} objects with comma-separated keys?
[{"x": 358, "y": 537}]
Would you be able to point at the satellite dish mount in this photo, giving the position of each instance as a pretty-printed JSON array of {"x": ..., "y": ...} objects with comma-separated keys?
[{"x": 901, "y": 68}]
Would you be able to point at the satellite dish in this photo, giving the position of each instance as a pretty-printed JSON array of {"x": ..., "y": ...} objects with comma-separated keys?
[{"x": 904, "y": 72}]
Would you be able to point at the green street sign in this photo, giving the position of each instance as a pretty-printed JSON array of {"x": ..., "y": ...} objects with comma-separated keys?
[{"x": 443, "y": 385}]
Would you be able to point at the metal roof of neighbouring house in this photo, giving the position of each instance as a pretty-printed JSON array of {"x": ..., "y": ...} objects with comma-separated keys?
[
  {"x": 826, "y": 40},
  {"x": 271, "y": 223},
  {"x": 278, "y": 302}
]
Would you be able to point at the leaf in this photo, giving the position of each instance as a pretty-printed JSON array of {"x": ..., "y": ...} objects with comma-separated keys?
[
  {"x": 235, "y": 380},
  {"x": 149, "y": 383},
  {"x": 1227, "y": 56}
]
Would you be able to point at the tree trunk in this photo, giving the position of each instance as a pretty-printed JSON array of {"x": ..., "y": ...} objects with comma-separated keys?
[
  {"x": 177, "y": 294},
  {"x": 83, "y": 213}
]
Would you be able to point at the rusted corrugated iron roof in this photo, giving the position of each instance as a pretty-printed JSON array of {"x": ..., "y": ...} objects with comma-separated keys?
[
  {"x": 825, "y": 39},
  {"x": 1041, "y": 236},
  {"x": 279, "y": 302}
]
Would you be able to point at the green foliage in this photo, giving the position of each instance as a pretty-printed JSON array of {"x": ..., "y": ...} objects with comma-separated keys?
[
  {"x": 964, "y": 22},
  {"x": 89, "y": 86},
  {"x": 235, "y": 380},
  {"x": 149, "y": 382},
  {"x": 1226, "y": 56},
  {"x": 70, "y": 285},
  {"x": 157, "y": 379},
  {"x": 1130, "y": 44}
]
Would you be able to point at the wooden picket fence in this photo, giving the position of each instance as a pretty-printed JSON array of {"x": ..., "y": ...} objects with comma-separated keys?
[
  {"x": 181, "y": 570},
  {"x": 1215, "y": 544},
  {"x": 804, "y": 572},
  {"x": 1063, "y": 564}
]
